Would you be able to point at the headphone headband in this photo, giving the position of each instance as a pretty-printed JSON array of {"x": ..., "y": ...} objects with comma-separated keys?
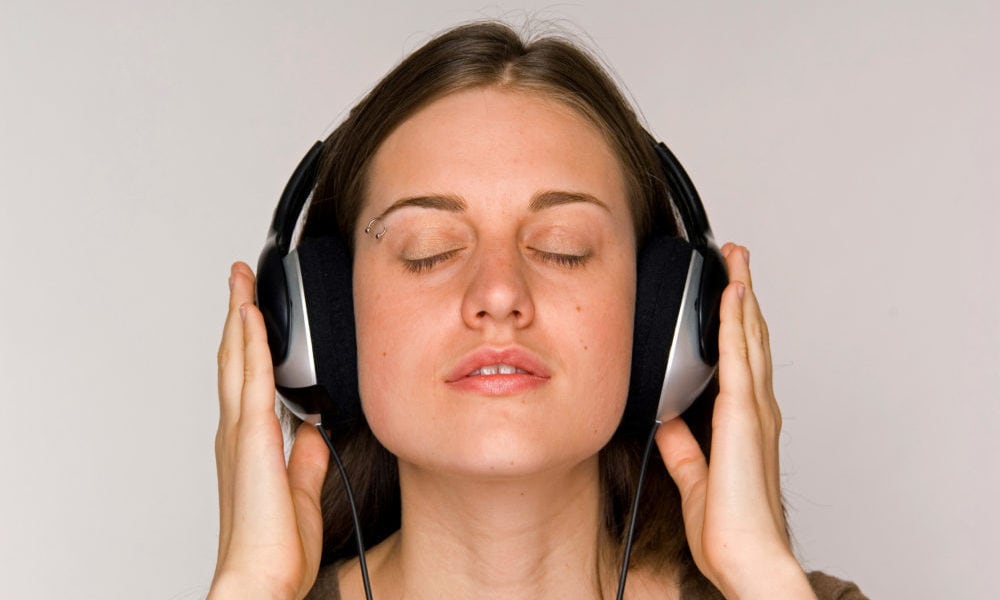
[
  {"x": 293, "y": 198},
  {"x": 684, "y": 197}
]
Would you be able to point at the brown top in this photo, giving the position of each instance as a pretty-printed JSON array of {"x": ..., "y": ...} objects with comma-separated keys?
[
  {"x": 833, "y": 588},
  {"x": 327, "y": 587}
]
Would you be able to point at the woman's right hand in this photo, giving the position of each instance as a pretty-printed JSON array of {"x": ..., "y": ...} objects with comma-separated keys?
[{"x": 270, "y": 523}]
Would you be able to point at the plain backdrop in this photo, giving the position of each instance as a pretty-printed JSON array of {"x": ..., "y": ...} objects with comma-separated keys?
[{"x": 853, "y": 146}]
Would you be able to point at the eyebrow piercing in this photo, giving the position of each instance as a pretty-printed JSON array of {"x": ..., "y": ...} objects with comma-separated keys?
[{"x": 378, "y": 234}]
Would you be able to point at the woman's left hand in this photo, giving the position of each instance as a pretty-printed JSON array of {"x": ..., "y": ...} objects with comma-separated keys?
[{"x": 733, "y": 515}]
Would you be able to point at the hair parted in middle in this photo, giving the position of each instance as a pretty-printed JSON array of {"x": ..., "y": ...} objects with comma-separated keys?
[{"x": 491, "y": 54}]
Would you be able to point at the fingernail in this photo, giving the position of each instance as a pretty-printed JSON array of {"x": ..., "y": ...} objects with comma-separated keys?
[
  {"x": 739, "y": 290},
  {"x": 230, "y": 283},
  {"x": 746, "y": 255},
  {"x": 243, "y": 310}
]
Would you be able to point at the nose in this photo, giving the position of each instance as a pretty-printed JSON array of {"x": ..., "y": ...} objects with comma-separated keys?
[{"x": 498, "y": 293}]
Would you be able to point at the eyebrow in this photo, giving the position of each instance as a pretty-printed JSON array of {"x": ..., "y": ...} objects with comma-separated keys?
[
  {"x": 448, "y": 203},
  {"x": 552, "y": 198},
  {"x": 451, "y": 203}
]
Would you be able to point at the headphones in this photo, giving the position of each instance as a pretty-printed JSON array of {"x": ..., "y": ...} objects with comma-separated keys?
[{"x": 306, "y": 298}]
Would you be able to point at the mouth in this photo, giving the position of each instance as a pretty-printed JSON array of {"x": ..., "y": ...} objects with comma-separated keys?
[
  {"x": 498, "y": 364},
  {"x": 497, "y": 369}
]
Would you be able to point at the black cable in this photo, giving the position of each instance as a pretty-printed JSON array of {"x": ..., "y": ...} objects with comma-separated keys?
[
  {"x": 635, "y": 511},
  {"x": 354, "y": 512}
]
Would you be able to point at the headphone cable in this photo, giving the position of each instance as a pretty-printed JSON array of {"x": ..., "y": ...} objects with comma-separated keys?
[
  {"x": 635, "y": 510},
  {"x": 354, "y": 512}
]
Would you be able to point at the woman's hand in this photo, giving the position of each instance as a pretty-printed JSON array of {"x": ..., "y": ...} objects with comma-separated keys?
[
  {"x": 270, "y": 525},
  {"x": 733, "y": 516}
]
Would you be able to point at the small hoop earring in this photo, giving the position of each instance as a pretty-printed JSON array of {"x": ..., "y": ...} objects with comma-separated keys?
[{"x": 379, "y": 234}]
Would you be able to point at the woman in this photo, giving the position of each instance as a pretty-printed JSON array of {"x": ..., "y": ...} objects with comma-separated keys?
[{"x": 494, "y": 195}]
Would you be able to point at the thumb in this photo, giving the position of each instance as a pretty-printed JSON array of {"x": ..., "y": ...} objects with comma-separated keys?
[
  {"x": 683, "y": 457},
  {"x": 687, "y": 466},
  {"x": 308, "y": 462},
  {"x": 307, "y": 465}
]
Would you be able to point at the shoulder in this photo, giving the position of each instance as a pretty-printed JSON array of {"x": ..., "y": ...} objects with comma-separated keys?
[
  {"x": 327, "y": 586},
  {"x": 831, "y": 588}
]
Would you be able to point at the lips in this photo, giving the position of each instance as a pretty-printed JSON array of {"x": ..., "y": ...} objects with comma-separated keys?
[{"x": 513, "y": 363}]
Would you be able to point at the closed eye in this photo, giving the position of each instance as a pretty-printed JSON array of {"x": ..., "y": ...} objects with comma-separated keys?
[
  {"x": 563, "y": 260},
  {"x": 419, "y": 265}
]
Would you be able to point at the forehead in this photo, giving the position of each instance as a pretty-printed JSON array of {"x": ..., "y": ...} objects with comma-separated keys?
[{"x": 488, "y": 144}]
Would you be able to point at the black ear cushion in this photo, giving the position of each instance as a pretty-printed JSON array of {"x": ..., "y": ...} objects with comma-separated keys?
[
  {"x": 272, "y": 299},
  {"x": 326, "y": 281},
  {"x": 714, "y": 280},
  {"x": 661, "y": 272}
]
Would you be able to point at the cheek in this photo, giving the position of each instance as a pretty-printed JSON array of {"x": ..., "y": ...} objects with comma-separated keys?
[
  {"x": 394, "y": 339},
  {"x": 602, "y": 331},
  {"x": 378, "y": 357},
  {"x": 386, "y": 325},
  {"x": 604, "y": 325}
]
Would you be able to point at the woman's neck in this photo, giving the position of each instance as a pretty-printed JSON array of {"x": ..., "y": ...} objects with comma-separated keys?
[{"x": 527, "y": 537}]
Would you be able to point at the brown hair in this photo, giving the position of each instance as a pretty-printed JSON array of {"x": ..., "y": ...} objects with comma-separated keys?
[{"x": 492, "y": 54}]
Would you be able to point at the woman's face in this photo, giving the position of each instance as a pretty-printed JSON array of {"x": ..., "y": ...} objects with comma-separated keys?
[{"x": 495, "y": 314}]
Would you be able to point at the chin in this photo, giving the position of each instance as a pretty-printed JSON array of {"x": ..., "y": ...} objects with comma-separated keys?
[
  {"x": 497, "y": 452},
  {"x": 463, "y": 435}
]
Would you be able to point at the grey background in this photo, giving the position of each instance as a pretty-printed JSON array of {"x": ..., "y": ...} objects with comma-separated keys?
[{"x": 851, "y": 146}]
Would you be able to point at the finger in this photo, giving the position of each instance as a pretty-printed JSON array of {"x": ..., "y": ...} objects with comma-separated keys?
[
  {"x": 759, "y": 356},
  {"x": 224, "y": 457},
  {"x": 230, "y": 365},
  {"x": 737, "y": 263},
  {"x": 230, "y": 357},
  {"x": 757, "y": 339},
  {"x": 257, "y": 463},
  {"x": 307, "y": 466},
  {"x": 687, "y": 466},
  {"x": 736, "y": 385},
  {"x": 257, "y": 397},
  {"x": 758, "y": 346},
  {"x": 737, "y": 450}
]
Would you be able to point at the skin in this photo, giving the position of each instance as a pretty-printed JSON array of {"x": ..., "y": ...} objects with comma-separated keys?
[
  {"x": 505, "y": 286},
  {"x": 486, "y": 474},
  {"x": 499, "y": 482}
]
